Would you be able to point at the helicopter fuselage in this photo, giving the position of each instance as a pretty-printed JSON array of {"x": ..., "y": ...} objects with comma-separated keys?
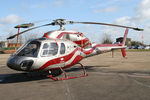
[{"x": 55, "y": 50}]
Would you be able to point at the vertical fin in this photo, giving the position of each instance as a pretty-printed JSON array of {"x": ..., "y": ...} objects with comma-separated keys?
[
  {"x": 125, "y": 37},
  {"x": 123, "y": 42}
]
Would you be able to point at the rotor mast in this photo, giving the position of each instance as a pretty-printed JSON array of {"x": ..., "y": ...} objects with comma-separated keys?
[{"x": 60, "y": 22}]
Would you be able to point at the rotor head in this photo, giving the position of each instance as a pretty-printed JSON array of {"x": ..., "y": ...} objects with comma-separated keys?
[{"x": 60, "y": 22}]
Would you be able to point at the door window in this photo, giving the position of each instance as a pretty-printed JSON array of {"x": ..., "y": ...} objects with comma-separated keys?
[{"x": 49, "y": 49}]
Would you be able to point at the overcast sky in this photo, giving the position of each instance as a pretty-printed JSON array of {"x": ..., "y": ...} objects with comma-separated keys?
[{"x": 124, "y": 12}]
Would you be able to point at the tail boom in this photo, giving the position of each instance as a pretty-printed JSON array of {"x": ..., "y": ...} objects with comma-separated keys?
[{"x": 102, "y": 48}]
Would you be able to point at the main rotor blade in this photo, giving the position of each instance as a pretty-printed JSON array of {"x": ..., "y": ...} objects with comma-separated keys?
[
  {"x": 27, "y": 25},
  {"x": 137, "y": 29},
  {"x": 13, "y": 36}
]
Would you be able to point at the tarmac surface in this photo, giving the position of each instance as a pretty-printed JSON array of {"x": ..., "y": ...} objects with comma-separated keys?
[{"x": 108, "y": 79}]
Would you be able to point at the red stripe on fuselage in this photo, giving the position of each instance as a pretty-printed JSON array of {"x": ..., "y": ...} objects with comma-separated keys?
[
  {"x": 58, "y": 60},
  {"x": 50, "y": 38},
  {"x": 89, "y": 51},
  {"x": 75, "y": 61},
  {"x": 80, "y": 41}
]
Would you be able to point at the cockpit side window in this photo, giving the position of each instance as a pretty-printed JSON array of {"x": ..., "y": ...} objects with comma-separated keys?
[
  {"x": 30, "y": 50},
  {"x": 62, "y": 48},
  {"x": 49, "y": 49}
]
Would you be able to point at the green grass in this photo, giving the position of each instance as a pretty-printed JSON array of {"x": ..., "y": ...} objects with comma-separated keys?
[{"x": 12, "y": 48}]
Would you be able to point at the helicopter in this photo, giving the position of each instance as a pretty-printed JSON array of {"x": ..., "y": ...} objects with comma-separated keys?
[{"x": 60, "y": 49}]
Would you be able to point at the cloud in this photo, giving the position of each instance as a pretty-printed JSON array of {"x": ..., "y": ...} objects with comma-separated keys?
[
  {"x": 7, "y": 24},
  {"x": 107, "y": 2},
  {"x": 146, "y": 34},
  {"x": 1, "y": 25},
  {"x": 141, "y": 17},
  {"x": 142, "y": 11},
  {"x": 107, "y": 10},
  {"x": 123, "y": 20},
  {"x": 58, "y": 3},
  {"x": 40, "y": 5},
  {"x": 10, "y": 19}
]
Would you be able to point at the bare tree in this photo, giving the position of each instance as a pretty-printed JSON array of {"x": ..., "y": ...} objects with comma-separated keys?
[
  {"x": 20, "y": 39},
  {"x": 29, "y": 36},
  {"x": 106, "y": 39},
  {"x": 12, "y": 40}
]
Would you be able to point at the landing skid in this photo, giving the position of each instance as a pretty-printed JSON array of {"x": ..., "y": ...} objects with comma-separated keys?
[{"x": 66, "y": 76}]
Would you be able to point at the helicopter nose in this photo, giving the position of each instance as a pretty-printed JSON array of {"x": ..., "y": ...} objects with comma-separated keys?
[
  {"x": 19, "y": 64},
  {"x": 11, "y": 63}
]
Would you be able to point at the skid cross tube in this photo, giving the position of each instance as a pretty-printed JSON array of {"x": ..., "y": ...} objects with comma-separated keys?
[{"x": 66, "y": 76}]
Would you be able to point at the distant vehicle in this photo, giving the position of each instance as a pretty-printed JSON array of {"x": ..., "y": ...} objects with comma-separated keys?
[
  {"x": 141, "y": 47},
  {"x": 133, "y": 47},
  {"x": 116, "y": 43},
  {"x": 138, "y": 47},
  {"x": 147, "y": 47}
]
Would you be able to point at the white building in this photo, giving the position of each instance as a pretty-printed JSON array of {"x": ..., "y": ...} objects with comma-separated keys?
[{"x": 3, "y": 44}]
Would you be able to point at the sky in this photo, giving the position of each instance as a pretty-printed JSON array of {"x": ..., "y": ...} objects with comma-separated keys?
[{"x": 134, "y": 13}]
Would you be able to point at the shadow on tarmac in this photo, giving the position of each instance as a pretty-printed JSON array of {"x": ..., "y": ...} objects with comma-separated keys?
[
  {"x": 26, "y": 77},
  {"x": 18, "y": 77}
]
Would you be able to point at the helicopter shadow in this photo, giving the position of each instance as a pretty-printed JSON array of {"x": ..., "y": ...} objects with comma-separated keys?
[
  {"x": 26, "y": 77},
  {"x": 77, "y": 68},
  {"x": 87, "y": 68},
  {"x": 19, "y": 77}
]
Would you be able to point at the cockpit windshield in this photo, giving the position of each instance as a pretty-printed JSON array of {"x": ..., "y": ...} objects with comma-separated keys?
[{"x": 30, "y": 50}]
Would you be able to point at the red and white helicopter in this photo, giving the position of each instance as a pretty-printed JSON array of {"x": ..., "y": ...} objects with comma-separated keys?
[{"x": 60, "y": 49}]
